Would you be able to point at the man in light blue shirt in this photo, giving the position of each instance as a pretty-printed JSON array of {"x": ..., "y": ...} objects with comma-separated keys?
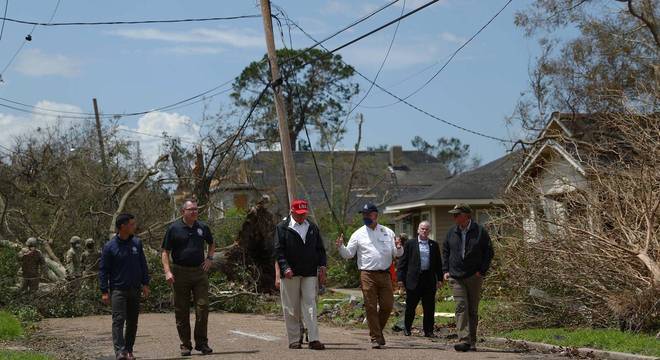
[{"x": 419, "y": 271}]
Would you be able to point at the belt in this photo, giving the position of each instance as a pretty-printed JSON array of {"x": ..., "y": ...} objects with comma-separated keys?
[
  {"x": 184, "y": 267},
  {"x": 377, "y": 271}
]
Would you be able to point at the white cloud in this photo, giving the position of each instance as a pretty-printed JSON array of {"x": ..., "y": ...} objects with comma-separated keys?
[
  {"x": 149, "y": 131},
  {"x": 158, "y": 124},
  {"x": 192, "y": 50},
  {"x": 402, "y": 55},
  {"x": 34, "y": 62},
  {"x": 336, "y": 7},
  {"x": 241, "y": 39},
  {"x": 453, "y": 38},
  {"x": 13, "y": 125}
]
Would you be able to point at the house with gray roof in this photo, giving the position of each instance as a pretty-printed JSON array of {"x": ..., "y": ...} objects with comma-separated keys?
[
  {"x": 379, "y": 177},
  {"x": 480, "y": 188}
]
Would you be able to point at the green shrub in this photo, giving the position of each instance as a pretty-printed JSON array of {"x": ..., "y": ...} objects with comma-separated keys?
[
  {"x": 8, "y": 274},
  {"x": 10, "y": 327}
]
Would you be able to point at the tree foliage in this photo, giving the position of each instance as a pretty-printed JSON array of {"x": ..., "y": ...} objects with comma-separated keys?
[
  {"x": 316, "y": 94},
  {"x": 450, "y": 151},
  {"x": 597, "y": 56}
]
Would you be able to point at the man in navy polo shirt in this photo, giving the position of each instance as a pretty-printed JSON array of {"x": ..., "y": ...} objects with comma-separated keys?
[
  {"x": 122, "y": 273},
  {"x": 188, "y": 274}
]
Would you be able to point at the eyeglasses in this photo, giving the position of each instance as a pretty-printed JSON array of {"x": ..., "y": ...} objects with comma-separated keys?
[{"x": 192, "y": 209}]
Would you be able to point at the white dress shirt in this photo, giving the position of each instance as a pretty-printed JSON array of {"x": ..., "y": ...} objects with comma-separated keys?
[
  {"x": 375, "y": 248},
  {"x": 301, "y": 229}
]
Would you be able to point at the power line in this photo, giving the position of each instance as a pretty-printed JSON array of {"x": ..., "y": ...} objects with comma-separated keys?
[
  {"x": 383, "y": 26},
  {"x": 447, "y": 62},
  {"x": 82, "y": 115},
  {"x": 351, "y": 25},
  {"x": 28, "y": 38},
  {"x": 130, "y": 22},
  {"x": 2, "y": 31},
  {"x": 202, "y": 94},
  {"x": 407, "y": 102},
  {"x": 382, "y": 64},
  {"x": 176, "y": 105}
]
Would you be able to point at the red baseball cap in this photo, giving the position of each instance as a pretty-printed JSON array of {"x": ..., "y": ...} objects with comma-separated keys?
[{"x": 299, "y": 207}]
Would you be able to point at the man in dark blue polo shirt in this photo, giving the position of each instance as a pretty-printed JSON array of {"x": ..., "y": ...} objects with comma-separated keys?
[
  {"x": 122, "y": 273},
  {"x": 188, "y": 273}
]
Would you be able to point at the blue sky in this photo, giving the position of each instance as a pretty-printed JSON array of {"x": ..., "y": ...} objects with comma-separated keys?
[{"x": 138, "y": 67}]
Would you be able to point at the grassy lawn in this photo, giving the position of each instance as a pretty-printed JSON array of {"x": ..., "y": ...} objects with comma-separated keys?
[
  {"x": 604, "y": 339},
  {"x": 21, "y": 355},
  {"x": 10, "y": 327}
]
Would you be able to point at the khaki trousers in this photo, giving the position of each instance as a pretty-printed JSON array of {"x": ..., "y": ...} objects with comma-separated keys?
[
  {"x": 467, "y": 294},
  {"x": 378, "y": 301},
  {"x": 187, "y": 281},
  {"x": 299, "y": 299}
]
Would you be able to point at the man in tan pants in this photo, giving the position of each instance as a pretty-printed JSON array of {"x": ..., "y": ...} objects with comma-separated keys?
[
  {"x": 376, "y": 247},
  {"x": 301, "y": 257},
  {"x": 466, "y": 255}
]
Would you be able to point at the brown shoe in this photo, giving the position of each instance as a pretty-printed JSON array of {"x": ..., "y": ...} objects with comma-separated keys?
[
  {"x": 295, "y": 345},
  {"x": 316, "y": 345}
]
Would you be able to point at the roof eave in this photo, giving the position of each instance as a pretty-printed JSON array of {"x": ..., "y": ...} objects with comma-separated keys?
[{"x": 440, "y": 202}]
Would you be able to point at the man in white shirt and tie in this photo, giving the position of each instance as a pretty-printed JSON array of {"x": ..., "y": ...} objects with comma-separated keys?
[{"x": 375, "y": 247}]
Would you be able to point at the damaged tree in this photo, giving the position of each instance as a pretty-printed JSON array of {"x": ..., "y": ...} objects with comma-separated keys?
[
  {"x": 253, "y": 249},
  {"x": 583, "y": 245}
]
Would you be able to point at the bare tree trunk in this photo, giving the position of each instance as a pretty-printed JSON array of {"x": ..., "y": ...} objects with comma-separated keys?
[
  {"x": 124, "y": 199},
  {"x": 349, "y": 186},
  {"x": 652, "y": 266}
]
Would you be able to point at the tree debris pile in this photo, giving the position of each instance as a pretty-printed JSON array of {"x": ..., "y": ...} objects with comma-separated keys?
[{"x": 253, "y": 250}]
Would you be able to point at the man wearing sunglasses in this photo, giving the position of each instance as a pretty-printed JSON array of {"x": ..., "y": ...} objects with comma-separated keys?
[{"x": 466, "y": 255}]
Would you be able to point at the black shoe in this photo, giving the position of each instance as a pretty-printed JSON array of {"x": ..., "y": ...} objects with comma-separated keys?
[
  {"x": 463, "y": 347},
  {"x": 376, "y": 345},
  {"x": 429, "y": 335},
  {"x": 185, "y": 351},
  {"x": 406, "y": 332},
  {"x": 204, "y": 349},
  {"x": 122, "y": 355}
]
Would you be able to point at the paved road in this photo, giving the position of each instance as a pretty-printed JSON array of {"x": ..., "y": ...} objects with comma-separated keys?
[{"x": 239, "y": 336}]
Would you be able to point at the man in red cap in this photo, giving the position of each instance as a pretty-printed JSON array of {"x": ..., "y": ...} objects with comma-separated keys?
[{"x": 301, "y": 257}]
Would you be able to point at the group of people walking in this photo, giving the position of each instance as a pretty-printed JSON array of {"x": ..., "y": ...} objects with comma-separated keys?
[
  {"x": 187, "y": 253},
  {"x": 423, "y": 265}
]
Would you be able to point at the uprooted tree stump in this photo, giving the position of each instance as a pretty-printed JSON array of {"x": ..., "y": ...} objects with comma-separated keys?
[{"x": 251, "y": 254}]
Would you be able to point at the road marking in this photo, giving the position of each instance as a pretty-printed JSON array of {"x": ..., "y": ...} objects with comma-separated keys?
[{"x": 256, "y": 336}]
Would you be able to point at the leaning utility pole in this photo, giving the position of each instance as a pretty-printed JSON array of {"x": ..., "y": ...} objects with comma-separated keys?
[
  {"x": 99, "y": 133},
  {"x": 285, "y": 140},
  {"x": 104, "y": 161}
]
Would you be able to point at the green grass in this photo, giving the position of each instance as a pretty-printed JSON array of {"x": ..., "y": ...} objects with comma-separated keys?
[
  {"x": 10, "y": 327},
  {"x": 485, "y": 305},
  {"x": 604, "y": 339},
  {"x": 22, "y": 355}
]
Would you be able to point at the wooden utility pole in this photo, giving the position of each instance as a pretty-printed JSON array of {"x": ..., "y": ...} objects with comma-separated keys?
[
  {"x": 99, "y": 133},
  {"x": 285, "y": 140}
]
